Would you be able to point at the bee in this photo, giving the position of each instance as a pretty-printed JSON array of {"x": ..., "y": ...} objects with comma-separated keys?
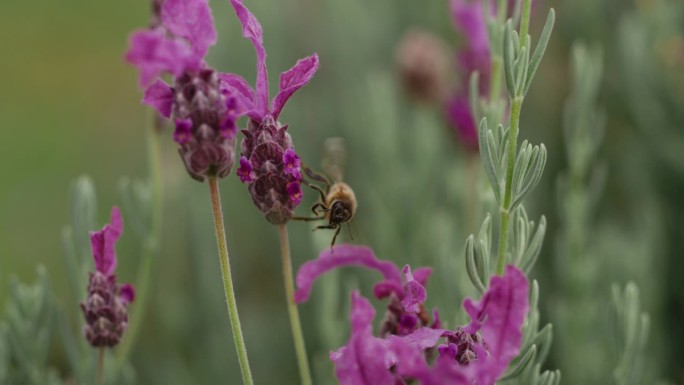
[{"x": 337, "y": 202}]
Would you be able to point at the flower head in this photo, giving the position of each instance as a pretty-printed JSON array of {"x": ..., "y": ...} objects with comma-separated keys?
[
  {"x": 176, "y": 44},
  {"x": 105, "y": 309},
  {"x": 475, "y": 354},
  {"x": 267, "y": 147}
]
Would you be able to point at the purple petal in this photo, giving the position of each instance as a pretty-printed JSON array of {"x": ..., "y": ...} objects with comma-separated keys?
[
  {"x": 362, "y": 361},
  {"x": 406, "y": 352},
  {"x": 160, "y": 96},
  {"x": 153, "y": 54},
  {"x": 127, "y": 293},
  {"x": 183, "y": 132},
  {"x": 294, "y": 190},
  {"x": 414, "y": 293},
  {"x": 499, "y": 316},
  {"x": 236, "y": 86},
  {"x": 191, "y": 20},
  {"x": 103, "y": 244},
  {"x": 251, "y": 29},
  {"x": 245, "y": 171},
  {"x": 339, "y": 256},
  {"x": 294, "y": 79}
]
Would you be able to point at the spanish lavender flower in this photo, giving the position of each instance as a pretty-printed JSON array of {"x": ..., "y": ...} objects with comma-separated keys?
[
  {"x": 105, "y": 309},
  {"x": 405, "y": 310},
  {"x": 268, "y": 164},
  {"x": 475, "y": 354},
  {"x": 177, "y": 43}
]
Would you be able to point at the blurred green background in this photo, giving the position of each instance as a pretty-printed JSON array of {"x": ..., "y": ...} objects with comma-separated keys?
[{"x": 69, "y": 105}]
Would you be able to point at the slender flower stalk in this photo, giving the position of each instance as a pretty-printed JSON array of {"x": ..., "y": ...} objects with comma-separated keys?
[
  {"x": 228, "y": 281},
  {"x": 100, "y": 366},
  {"x": 295, "y": 324}
]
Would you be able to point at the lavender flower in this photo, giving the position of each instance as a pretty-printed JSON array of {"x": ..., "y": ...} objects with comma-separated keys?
[
  {"x": 474, "y": 354},
  {"x": 405, "y": 310},
  {"x": 204, "y": 116},
  {"x": 105, "y": 309},
  {"x": 269, "y": 164}
]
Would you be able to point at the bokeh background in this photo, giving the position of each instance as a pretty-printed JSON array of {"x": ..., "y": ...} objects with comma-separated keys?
[{"x": 70, "y": 105}]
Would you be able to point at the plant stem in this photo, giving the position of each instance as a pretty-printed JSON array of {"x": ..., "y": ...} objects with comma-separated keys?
[
  {"x": 100, "y": 366},
  {"x": 228, "y": 281},
  {"x": 525, "y": 24},
  {"x": 300, "y": 348},
  {"x": 151, "y": 243},
  {"x": 504, "y": 210}
]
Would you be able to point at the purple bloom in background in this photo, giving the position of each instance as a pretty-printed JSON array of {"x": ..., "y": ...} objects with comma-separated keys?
[
  {"x": 176, "y": 43},
  {"x": 460, "y": 116},
  {"x": 474, "y": 354},
  {"x": 474, "y": 55},
  {"x": 270, "y": 167},
  {"x": 105, "y": 309}
]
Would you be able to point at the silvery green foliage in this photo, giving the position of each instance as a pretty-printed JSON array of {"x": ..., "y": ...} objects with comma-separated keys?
[
  {"x": 27, "y": 331},
  {"x": 649, "y": 42},
  {"x": 579, "y": 190},
  {"x": 631, "y": 327},
  {"x": 512, "y": 178}
]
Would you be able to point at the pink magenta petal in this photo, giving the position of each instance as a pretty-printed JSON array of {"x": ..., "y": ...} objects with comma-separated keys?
[
  {"x": 237, "y": 87},
  {"x": 414, "y": 293},
  {"x": 293, "y": 79},
  {"x": 339, "y": 256},
  {"x": 159, "y": 96},
  {"x": 191, "y": 20},
  {"x": 103, "y": 244},
  {"x": 127, "y": 293},
  {"x": 251, "y": 29},
  {"x": 362, "y": 361},
  {"x": 153, "y": 54},
  {"x": 499, "y": 317}
]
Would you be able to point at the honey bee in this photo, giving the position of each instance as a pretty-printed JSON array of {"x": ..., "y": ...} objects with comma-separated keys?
[{"x": 337, "y": 203}]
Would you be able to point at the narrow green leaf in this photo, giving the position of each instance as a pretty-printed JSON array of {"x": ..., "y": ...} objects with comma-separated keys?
[{"x": 540, "y": 49}]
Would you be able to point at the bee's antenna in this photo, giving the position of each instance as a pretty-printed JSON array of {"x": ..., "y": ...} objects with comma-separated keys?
[{"x": 350, "y": 232}]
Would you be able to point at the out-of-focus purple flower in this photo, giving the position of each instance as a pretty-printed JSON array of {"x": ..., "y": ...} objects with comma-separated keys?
[
  {"x": 177, "y": 42},
  {"x": 424, "y": 66},
  {"x": 267, "y": 145},
  {"x": 460, "y": 116},
  {"x": 474, "y": 354},
  {"x": 105, "y": 309},
  {"x": 405, "y": 310}
]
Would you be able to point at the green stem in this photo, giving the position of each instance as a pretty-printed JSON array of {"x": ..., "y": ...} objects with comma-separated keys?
[
  {"x": 151, "y": 244},
  {"x": 228, "y": 281},
  {"x": 100, "y": 366},
  {"x": 505, "y": 208},
  {"x": 525, "y": 24},
  {"x": 300, "y": 348}
]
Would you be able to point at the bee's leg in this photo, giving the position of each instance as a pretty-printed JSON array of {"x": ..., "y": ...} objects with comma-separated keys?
[
  {"x": 335, "y": 237},
  {"x": 307, "y": 219},
  {"x": 313, "y": 186},
  {"x": 317, "y": 177},
  {"x": 350, "y": 232},
  {"x": 326, "y": 227},
  {"x": 315, "y": 207}
]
